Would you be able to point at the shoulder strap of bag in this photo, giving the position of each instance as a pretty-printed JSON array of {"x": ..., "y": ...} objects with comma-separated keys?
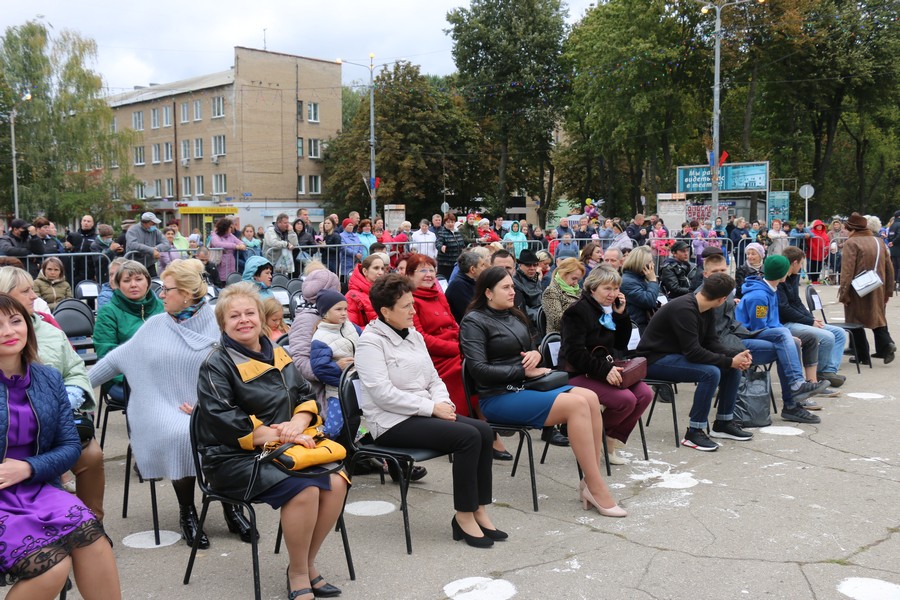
[{"x": 877, "y": 253}]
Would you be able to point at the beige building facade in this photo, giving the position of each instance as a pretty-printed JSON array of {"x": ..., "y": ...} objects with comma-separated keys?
[{"x": 245, "y": 142}]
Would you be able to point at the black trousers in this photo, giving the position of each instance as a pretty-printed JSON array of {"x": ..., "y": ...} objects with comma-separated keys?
[
  {"x": 469, "y": 440},
  {"x": 882, "y": 342}
]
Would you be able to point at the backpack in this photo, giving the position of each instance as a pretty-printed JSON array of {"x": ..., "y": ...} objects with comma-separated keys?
[{"x": 754, "y": 398}]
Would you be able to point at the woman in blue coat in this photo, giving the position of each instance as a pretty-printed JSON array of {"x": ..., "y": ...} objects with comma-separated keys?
[{"x": 44, "y": 530}]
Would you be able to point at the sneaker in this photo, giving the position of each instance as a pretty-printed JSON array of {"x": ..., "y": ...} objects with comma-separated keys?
[
  {"x": 698, "y": 440},
  {"x": 810, "y": 405},
  {"x": 729, "y": 430},
  {"x": 664, "y": 394},
  {"x": 798, "y": 414},
  {"x": 807, "y": 389},
  {"x": 834, "y": 379},
  {"x": 829, "y": 392}
]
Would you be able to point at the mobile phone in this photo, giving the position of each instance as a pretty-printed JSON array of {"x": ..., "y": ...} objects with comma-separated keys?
[{"x": 618, "y": 303}]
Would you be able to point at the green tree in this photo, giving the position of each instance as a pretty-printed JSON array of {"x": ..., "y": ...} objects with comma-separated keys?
[
  {"x": 425, "y": 144},
  {"x": 64, "y": 141},
  {"x": 509, "y": 58}
]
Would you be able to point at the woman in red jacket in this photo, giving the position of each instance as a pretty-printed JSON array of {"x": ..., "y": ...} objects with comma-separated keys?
[
  {"x": 817, "y": 250},
  {"x": 359, "y": 307}
]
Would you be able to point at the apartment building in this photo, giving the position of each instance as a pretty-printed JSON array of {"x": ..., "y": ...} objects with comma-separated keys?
[{"x": 245, "y": 142}]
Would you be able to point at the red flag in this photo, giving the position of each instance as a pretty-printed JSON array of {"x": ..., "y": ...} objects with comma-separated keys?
[{"x": 724, "y": 158}]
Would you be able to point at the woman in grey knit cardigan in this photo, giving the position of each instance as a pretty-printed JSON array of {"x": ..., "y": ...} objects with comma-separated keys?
[{"x": 161, "y": 364}]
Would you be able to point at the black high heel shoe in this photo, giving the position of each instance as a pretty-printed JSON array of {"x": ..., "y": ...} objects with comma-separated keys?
[
  {"x": 237, "y": 522},
  {"x": 293, "y": 595},
  {"x": 190, "y": 528},
  {"x": 324, "y": 591},
  {"x": 475, "y": 542},
  {"x": 494, "y": 534}
]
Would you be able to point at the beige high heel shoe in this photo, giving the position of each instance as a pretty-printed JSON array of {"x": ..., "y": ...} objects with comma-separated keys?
[{"x": 587, "y": 499}]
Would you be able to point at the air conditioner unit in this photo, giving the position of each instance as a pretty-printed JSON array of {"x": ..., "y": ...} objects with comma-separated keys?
[
  {"x": 185, "y": 162},
  {"x": 215, "y": 159},
  {"x": 216, "y": 199}
]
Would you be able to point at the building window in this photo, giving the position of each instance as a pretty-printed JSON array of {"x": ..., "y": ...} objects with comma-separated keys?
[
  {"x": 314, "y": 148},
  {"x": 139, "y": 155},
  {"x": 218, "y": 145},
  {"x": 185, "y": 149},
  {"x": 218, "y": 107},
  {"x": 167, "y": 116},
  {"x": 114, "y": 163},
  {"x": 157, "y": 187},
  {"x": 199, "y": 189},
  {"x": 315, "y": 184},
  {"x": 312, "y": 112},
  {"x": 185, "y": 112},
  {"x": 113, "y": 126},
  {"x": 219, "y": 184},
  {"x": 198, "y": 148},
  {"x": 299, "y": 147},
  {"x": 170, "y": 187},
  {"x": 198, "y": 110},
  {"x": 300, "y": 189},
  {"x": 139, "y": 192},
  {"x": 154, "y": 154},
  {"x": 137, "y": 120},
  {"x": 299, "y": 110},
  {"x": 167, "y": 152},
  {"x": 115, "y": 192},
  {"x": 186, "y": 186},
  {"x": 154, "y": 118}
]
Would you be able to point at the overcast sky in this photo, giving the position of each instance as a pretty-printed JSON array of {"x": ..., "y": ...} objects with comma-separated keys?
[{"x": 169, "y": 40}]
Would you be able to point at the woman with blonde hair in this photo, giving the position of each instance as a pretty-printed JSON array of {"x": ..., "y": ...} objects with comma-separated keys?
[
  {"x": 273, "y": 319},
  {"x": 563, "y": 291},
  {"x": 239, "y": 412},
  {"x": 640, "y": 286},
  {"x": 160, "y": 363}
]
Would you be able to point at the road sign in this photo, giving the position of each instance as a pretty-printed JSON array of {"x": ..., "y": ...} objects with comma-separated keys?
[
  {"x": 807, "y": 191},
  {"x": 445, "y": 208}
]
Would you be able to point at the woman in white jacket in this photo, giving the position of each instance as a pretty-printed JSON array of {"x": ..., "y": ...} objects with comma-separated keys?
[{"x": 407, "y": 406}]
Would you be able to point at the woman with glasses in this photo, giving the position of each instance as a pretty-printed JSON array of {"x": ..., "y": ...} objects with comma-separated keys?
[{"x": 161, "y": 362}]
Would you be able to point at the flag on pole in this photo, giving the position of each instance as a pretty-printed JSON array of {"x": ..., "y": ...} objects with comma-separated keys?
[{"x": 723, "y": 158}]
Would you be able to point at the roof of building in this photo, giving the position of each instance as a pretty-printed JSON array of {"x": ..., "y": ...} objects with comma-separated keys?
[{"x": 154, "y": 92}]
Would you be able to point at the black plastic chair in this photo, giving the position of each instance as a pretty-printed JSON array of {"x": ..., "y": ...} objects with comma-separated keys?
[
  {"x": 75, "y": 304},
  {"x": 294, "y": 286},
  {"x": 656, "y": 384},
  {"x": 210, "y": 495},
  {"x": 281, "y": 294},
  {"x": 550, "y": 352},
  {"x": 297, "y": 300},
  {"x": 814, "y": 302},
  {"x": 507, "y": 429},
  {"x": 111, "y": 405},
  {"x": 403, "y": 459},
  {"x": 153, "y": 505},
  {"x": 232, "y": 278},
  {"x": 280, "y": 280},
  {"x": 87, "y": 291},
  {"x": 79, "y": 328}
]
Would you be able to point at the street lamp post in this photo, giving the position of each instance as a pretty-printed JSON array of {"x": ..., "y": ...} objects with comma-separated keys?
[
  {"x": 15, "y": 172},
  {"x": 714, "y": 163},
  {"x": 373, "y": 191}
]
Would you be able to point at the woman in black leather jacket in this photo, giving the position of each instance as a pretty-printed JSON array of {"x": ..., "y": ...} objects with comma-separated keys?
[
  {"x": 249, "y": 394},
  {"x": 500, "y": 356}
]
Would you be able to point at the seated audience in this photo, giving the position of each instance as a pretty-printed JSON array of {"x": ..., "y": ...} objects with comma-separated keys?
[
  {"x": 563, "y": 291},
  {"x": 45, "y": 531},
  {"x": 681, "y": 344},
  {"x": 500, "y": 355},
  {"x": 753, "y": 263},
  {"x": 237, "y": 414},
  {"x": 675, "y": 272},
  {"x": 360, "y": 309},
  {"x": 274, "y": 319},
  {"x": 462, "y": 287},
  {"x": 640, "y": 286},
  {"x": 51, "y": 284},
  {"x": 258, "y": 271}
]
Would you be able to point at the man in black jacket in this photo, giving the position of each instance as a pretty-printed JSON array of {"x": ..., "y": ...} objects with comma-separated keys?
[
  {"x": 675, "y": 272},
  {"x": 15, "y": 242},
  {"x": 80, "y": 241},
  {"x": 449, "y": 244},
  {"x": 461, "y": 290},
  {"x": 637, "y": 231},
  {"x": 681, "y": 344}
]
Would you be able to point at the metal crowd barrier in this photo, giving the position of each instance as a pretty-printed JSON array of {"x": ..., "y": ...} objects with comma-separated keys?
[{"x": 77, "y": 266}]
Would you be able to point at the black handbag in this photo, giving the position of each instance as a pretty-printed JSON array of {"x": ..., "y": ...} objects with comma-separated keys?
[
  {"x": 84, "y": 425},
  {"x": 550, "y": 381}
]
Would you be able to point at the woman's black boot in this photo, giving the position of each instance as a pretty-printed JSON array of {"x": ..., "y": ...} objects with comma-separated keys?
[
  {"x": 190, "y": 527},
  {"x": 237, "y": 521}
]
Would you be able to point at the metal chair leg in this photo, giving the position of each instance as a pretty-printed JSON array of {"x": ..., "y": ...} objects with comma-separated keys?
[{"x": 643, "y": 439}]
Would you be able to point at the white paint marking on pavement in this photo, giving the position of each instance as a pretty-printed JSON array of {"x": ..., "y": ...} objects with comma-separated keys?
[
  {"x": 781, "y": 430},
  {"x": 866, "y": 588},
  {"x": 479, "y": 588},
  {"x": 146, "y": 540},
  {"x": 369, "y": 508},
  {"x": 865, "y": 395}
]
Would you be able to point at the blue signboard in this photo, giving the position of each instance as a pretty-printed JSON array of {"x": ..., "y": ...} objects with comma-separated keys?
[
  {"x": 738, "y": 177},
  {"x": 779, "y": 206}
]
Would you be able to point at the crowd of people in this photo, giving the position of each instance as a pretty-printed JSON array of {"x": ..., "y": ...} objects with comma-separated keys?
[{"x": 425, "y": 318}]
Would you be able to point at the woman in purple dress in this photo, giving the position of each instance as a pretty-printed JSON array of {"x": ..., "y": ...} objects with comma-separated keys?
[
  {"x": 223, "y": 238},
  {"x": 44, "y": 530}
]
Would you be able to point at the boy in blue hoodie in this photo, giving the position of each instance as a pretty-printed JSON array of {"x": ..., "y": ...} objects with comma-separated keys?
[{"x": 758, "y": 309}]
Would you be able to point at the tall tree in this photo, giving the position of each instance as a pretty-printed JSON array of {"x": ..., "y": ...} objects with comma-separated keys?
[
  {"x": 64, "y": 141},
  {"x": 509, "y": 58},
  {"x": 426, "y": 147}
]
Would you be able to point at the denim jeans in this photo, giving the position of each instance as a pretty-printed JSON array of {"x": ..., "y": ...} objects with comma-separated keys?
[
  {"x": 675, "y": 367},
  {"x": 777, "y": 344},
  {"x": 831, "y": 344}
]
